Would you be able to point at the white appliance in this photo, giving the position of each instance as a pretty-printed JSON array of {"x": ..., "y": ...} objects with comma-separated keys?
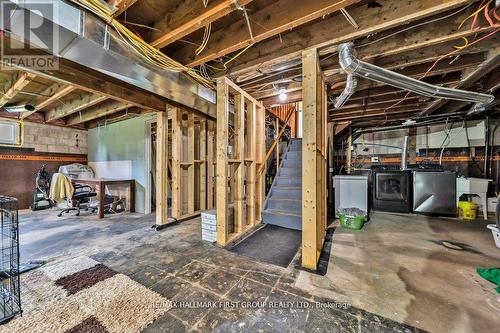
[
  {"x": 476, "y": 186},
  {"x": 351, "y": 191}
]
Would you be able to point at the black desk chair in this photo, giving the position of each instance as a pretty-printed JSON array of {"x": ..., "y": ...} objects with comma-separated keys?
[{"x": 80, "y": 200}]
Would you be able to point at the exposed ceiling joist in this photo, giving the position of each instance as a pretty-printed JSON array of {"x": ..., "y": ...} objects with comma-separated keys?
[
  {"x": 289, "y": 46},
  {"x": 101, "y": 110},
  {"x": 121, "y": 6},
  {"x": 277, "y": 17},
  {"x": 190, "y": 16},
  {"x": 16, "y": 86},
  {"x": 491, "y": 62},
  {"x": 81, "y": 103},
  {"x": 55, "y": 92}
]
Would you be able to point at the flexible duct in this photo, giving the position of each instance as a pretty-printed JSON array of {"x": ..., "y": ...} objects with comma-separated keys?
[
  {"x": 404, "y": 154},
  {"x": 20, "y": 108},
  {"x": 353, "y": 66}
]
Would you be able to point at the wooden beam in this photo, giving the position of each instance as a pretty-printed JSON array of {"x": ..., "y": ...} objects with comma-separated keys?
[
  {"x": 177, "y": 192},
  {"x": 191, "y": 167},
  {"x": 252, "y": 162},
  {"x": 267, "y": 22},
  {"x": 56, "y": 92},
  {"x": 222, "y": 172},
  {"x": 15, "y": 87},
  {"x": 161, "y": 167},
  {"x": 490, "y": 64},
  {"x": 98, "y": 111},
  {"x": 260, "y": 146},
  {"x": 78, "y": 104},
  {"x": 188, "y": 17},
  {"x": 121, "y": 6},
  {"x": 288, "y": 46}
]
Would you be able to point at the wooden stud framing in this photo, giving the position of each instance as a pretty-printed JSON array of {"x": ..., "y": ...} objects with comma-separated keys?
[
  {"x": 161, "y": 167},
  {"x": 313, "y": 154},
  {"x": 210, "y": 163},
  {"x": 191, "y": 166},
  {"x": 203, "y": 164},
  {"x": 276, "y": 129},
  {"x": 349, "y": 152},
  {"x": 176, "y": 162},
  {"x": 247, "y": 153}
]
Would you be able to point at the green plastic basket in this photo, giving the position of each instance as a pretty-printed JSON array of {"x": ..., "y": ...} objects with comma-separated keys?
[{"x": 352, "y": 222}]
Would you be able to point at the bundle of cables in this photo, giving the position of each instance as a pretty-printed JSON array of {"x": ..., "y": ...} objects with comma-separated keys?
[{"x": 141, "y": 47}]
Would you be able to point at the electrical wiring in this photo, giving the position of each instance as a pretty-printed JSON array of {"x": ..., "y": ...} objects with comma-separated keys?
[
  {"x": 144, "y": 50},
  {"x": 206, "y": 34}
]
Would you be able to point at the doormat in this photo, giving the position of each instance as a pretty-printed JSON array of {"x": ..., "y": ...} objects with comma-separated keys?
[
  {"x": 270, "y": 244},
  {"x": 82, "y": 295}
]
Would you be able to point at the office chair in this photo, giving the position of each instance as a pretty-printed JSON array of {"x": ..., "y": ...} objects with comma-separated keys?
[{"x": 80, "y": 200}]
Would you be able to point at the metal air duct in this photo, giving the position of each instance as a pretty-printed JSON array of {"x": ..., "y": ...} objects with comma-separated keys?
[{"x": 353, "y": 66}]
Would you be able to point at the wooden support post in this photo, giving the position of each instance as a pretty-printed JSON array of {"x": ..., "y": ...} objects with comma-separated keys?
[
  {"x": 176, "y": 162},
  {"x": 313, "y": 167},
  {"x": 222, "y": 144},
  {"x": 191, "y": 180},
  {"x": 203, "y": 164},
  {"x": 349, "y": 152},
  {"x": 239, "y": 165},
  {"x": 161, "y": 167},
  {"x": 252, "y": 164},
  {"x": 260, "y": 153},
  {"x": 210, "y": 163}
]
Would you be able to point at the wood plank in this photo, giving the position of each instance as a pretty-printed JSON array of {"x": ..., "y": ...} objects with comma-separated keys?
[
  {"x": 22, "y": 80},
  {"x": 191, "y": 167},
  {"x": 239, "y": 154},
  {"x": 276, "y": 129},
  {"x": 161, "y": 167},
  {"x": 260, "y": 137},
  {"x": 176, "y": 162},
  {"x": 288, "y": 46},
  {"x": 266, "y": 22},
  {"x": 121, "y": 6},
  {"x": 78, "y": 104},
  {"x": 221, "y": 169},
  {"x": 203, "y": 164},
  {"x": 252, "y": 165},
  {"x": 55, "y": 92},
  {"x": 98, "y": 111},
  {"x": 190, "y": 16},
  {"x": 210, "y": 163}
]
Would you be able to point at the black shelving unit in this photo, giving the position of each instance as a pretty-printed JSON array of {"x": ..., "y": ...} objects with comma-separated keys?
[{"x": 10, "y": 298}]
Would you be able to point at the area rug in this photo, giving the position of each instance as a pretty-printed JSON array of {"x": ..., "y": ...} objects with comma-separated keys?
[{"x": 82, "y": 295}]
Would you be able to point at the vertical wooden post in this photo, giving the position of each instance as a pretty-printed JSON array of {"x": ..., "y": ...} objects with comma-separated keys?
[
  {"x": 222, "y": 143},
  {"x": 161, "y": 167},
  {"x": 210, "y": 164},
  {"x": 203, "y": 164},
  {"x": 191, "y": 180},
  {"x": 313, "y": 167},
  {"x": 239, "y": 165},
  {"x": 349, "y": 152},
  {"x": 252, "y": 166},
  {"x": 260, "y": 154},
  {"x": 177, "y": 197}
]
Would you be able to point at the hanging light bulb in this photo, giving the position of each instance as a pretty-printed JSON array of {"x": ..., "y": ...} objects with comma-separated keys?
[{"x": 283, "y": 95}]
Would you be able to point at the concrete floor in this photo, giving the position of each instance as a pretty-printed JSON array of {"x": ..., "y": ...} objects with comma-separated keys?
[
  {"x": 398, "y": 267},
  {"x": 177, "y": 264}
]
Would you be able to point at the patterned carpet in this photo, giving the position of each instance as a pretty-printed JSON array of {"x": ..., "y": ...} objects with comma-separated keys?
[{"x": 82, "y": 295}]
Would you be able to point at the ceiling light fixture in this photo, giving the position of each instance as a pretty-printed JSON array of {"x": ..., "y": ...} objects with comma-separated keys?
[{"x": 283, "y": 95}]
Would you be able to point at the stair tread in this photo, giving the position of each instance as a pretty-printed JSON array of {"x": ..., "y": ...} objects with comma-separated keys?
[{"x": 285, "y": 199}]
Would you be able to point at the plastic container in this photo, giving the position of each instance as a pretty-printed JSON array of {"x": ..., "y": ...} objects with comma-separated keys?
[
  {"x": 352, "y": 222},
  {"x": 467, "y": 210},
  {"x": 496, "y": 233}
]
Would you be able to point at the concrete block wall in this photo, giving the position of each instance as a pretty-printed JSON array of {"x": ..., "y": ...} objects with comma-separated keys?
[{"x": 54, "y": 139}]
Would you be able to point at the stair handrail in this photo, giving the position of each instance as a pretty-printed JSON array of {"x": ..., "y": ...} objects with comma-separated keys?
[{"x": 275, "y": 143}]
